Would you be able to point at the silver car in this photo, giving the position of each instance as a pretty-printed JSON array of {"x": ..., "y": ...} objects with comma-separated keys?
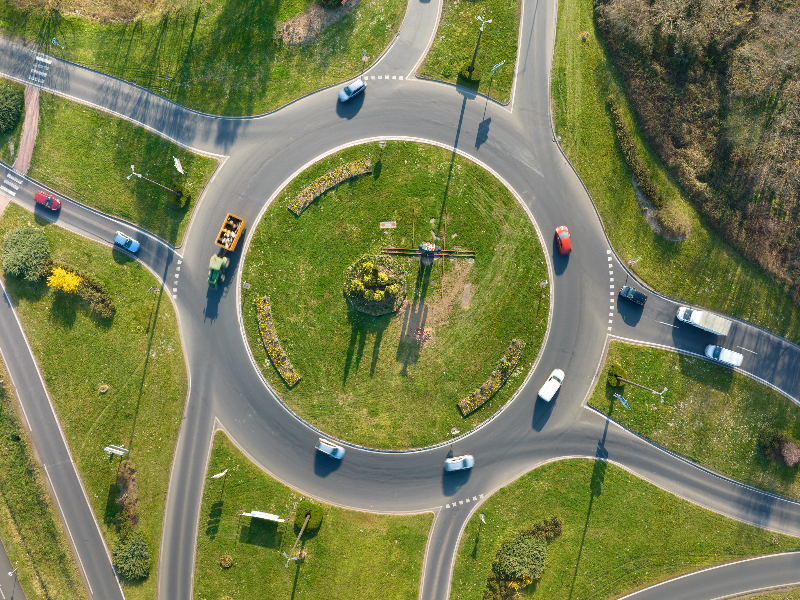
[
  {"x": 127, "y": 242},
  {"x": 457, "y": 463},
  {"x": 329, "y": 448},
  {"x": 352, "y": 89}
]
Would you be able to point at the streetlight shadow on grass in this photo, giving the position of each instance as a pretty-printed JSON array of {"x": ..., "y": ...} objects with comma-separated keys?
[
  {"x": 324, "y": 465},
  {"x": 361, "y": 327},
  {"x": 296, "y": 576}
]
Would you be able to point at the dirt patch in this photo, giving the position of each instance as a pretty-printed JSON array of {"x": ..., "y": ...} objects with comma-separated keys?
[
  {"x": 101, "y": 10},
  {"x": 30, "y": 129},
  {"x": 305, "y": 27},
  {"x": 649, "y": 211}
]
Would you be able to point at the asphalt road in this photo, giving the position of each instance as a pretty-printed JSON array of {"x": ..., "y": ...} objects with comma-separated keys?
[{"x": 227, "y": 391}]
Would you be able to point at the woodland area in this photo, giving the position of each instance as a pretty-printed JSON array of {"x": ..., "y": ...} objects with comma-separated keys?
[{"x": 715, "y": 85}]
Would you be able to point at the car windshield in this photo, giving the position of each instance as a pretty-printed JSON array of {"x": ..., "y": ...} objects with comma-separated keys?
[
  {"x": 563, "y": 235},
  {"x": 717, "y": 350},
  {"x": 687, "y": 314},
  {"x": 348, "y": 90},
  {"x": 48, "y": 202},
  {"x": 128, "y": 242},
  {"x": 557, "y": 378}
]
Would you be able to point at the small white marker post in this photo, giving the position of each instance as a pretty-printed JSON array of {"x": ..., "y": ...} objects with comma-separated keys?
[{"x": 218, "y": 475}]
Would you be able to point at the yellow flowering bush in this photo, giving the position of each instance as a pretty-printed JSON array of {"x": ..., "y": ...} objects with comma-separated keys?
[
  {"x": 496, "y": 380},
  {"x": 375, "y": 285},
  {"x": 64, "y": 280},
  {"x": 330, "y": 180},
  {"x": 270, "y": 339}
]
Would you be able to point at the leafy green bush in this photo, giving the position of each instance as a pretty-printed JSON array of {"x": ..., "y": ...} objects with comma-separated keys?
[
  {"x": 304, "y": 508},
  {"x": 520, "y": 556},
  {"x": 769, "y": 440},
  {"x": 614, "y": 372},
  {"x": 11, "y": 105},
  {"x": 132, "y": 557},
  {"x": 26, "y": 254}
]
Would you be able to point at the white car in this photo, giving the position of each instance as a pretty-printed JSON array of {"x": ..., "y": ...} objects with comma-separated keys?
[
  {"x": 551, "y": 386},
  {"x": 457, "y": 463},
  {"x": 329, "y": 448},
  {"x": 724, "y": 356},
  {"x": 126, "y": 241},
  {"x": 352, "y": 89}
]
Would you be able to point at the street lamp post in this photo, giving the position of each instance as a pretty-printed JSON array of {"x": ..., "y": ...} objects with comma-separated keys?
[
  {"x": 140, "y": 176},
  {"x": 471, "y": 68},
  {"x": 364, "y": 60}
]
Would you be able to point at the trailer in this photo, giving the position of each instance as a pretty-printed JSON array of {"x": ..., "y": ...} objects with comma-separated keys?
[
  {"x": 230, "y": 232},
  {"x": 705, "y": 320}
]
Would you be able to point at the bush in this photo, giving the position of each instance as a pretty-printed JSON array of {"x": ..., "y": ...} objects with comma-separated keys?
[
  {"x": 63, "y": 280},
  {"x": 304, "y": 508},
  {"x": 523, "y": 555},
  {"x": 132, "y": 557},
  {"x": 614, "y": 372},
  {"x": 770, "y": 439},
  {"x": 790, "y": 453},
  {"x": 12, "y": 102},
  {"x": 26, "y": 253},
  {"x": 548, "y": 529},
  {"x": 91, "y": 290}
]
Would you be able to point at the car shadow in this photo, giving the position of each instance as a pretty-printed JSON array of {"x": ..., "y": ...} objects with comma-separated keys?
[
  {"x": 324, "y": 465},
  {"x": 542, "y": 411},
  {"x": 630, "y": 312},
  {"x": 349, "y": 109},
  {"x": 452, "y": 481},
  {"x": 559, "y": 262}
]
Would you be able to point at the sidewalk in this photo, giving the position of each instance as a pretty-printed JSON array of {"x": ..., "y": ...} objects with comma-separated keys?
[{"x": 30, "y": 129}]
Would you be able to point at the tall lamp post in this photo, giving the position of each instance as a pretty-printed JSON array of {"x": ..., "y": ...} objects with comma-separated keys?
[
  {"x": 471, "y": 68},
  {"x": 140, "y": 176}
]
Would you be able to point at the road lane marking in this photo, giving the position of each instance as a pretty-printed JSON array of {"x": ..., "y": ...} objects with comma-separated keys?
[
  {"x": 5, "y": 190},
  {"x": 12, "y": 178},
  {"x": 746, "y": 350},
  {"x": 667, "y": 324},
  {"x": 612, "y": 279}
]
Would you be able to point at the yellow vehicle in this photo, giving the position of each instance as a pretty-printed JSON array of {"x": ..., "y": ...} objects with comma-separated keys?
[{"x": 230, "y": 232}]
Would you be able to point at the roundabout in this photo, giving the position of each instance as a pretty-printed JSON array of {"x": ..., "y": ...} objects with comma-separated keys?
[
  {"x": 389, "y": 372},
  {"x": 227, "y": 387}
]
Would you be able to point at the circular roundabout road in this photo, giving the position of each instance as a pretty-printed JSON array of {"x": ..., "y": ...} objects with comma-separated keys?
[{"x": 260, "y": 154}]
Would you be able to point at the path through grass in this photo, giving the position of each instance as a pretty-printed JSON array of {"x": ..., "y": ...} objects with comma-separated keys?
[
  {"x": 137, "y": 354},
  {"x": 215, "y": 56},
  {"x": 365, "y": 379},
  {"x": 620, "y": 533},
  {"x": 97, "y": 177},
  {"x": 702, "y": 270},
  {"x": 710, "y": 413},
  {"x": 29, "y": 523},
  {"x": 351, "y": 555}
]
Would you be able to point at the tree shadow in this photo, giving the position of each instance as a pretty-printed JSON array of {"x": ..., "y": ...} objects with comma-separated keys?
[
  {"x": 260, "y": 532},
  {"x": 706, "y": 372},
  {"x": 414, "y": 316},
  {"x": 112, "y": 507},
  {"x": 64, "y": 309},
  {"x": 362, "y": 327},
  {"x": 214, "y": 517}
]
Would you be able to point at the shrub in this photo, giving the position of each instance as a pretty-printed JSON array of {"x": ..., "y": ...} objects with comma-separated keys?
[
  {"x": 92, "y": 291},
  {"x": 11, "y": 104},
  {"x": 26, "y": 253},
  {"x": 496, "y": 380},
  {"x": 128, "y": 492},
  {"x": 520, "y": 556},
  {"x": 614, "y": 372},
  {"x": 790, "y": 453},
  {"x": 65, "y": 281},
  {"x": 548, "y": 529},
  {"x": 132, "y": 557},
  {"x": 226, "y": 561},
  {"x": 375, "y": 285},
  {"x": 770, "y": 439},
  {"x": 304, "y": 508}
]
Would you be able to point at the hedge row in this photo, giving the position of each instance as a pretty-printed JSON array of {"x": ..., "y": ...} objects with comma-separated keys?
[
  {"x": 273, "y": 346},
  {"x": 91, "y": 290},
  {"x": 496, "y": 380},
  {"x": 330, "y": 180}
]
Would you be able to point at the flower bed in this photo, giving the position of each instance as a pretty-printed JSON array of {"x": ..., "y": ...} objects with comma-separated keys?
[
  {"x": 330, "y": 180},
  {"x": 375, "y": 285},
  {"x": 270, "y": 339},
  {"x": 496, "y": 380}
]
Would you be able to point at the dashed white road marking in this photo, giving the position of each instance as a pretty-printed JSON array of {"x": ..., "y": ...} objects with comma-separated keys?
[
  {"x": 667, "y": 324},
  {"x": 180, "y": 262},
  {"x": 746, "y": 350},
  {"x": 174, "y": 289},
  {"x": 612, "y": 279},
  {"x": 177, "y": 275},
  {"x": 177, "y": 268},
  {"x": 5, "y": 190},
  {"x": 611, "y": 286},
  {"x": 15, "y": 179}
]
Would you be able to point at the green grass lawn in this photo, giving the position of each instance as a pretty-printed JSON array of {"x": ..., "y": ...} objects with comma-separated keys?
[
  {"x": 216, "y": 56},
  {"x": 29, "y": 524},
  {"x": 97, "y": 178},
  {"x": 454, "y": 45},
  {"x": 710, "y": 414},
  {"x": 9, "y": 142},
  {"x": 137, "y": 354},
  {"x": 364, "y": 378},
  {"x": 351, "y": 555},
  {"x": 703, "y": 269},
  {"x": 620, "y": 533},
  {"x": 782, "y": 594}
]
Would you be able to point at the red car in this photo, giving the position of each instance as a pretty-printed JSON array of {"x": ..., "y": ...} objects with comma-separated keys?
[
  {"x": 47, "y": 201},
  {"x": 564, "y": 243}
]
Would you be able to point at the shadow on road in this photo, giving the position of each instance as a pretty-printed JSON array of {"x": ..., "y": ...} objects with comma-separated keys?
[
  {"x": 631, "y": 313},
  {"x": 452, "y": 481},
  {"x": 559, "y": 262},
  {"x": 324, "y": 465},
  {"x": 542, "y": 411},
  {"x": 349, "y": 109}
]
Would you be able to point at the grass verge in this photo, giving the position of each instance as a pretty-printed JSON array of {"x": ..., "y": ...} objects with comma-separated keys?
[
  {"x": 29, "y": 523},
  {"x": 137, "y": 354},
  {"x": 703, "y": 269},
  {"x": 365, "y": 379},
  {"x": 620, "y": 533},
  {"x": 351, "y": 555},
  {"x": 216, "y": 56},
  {"x": 455, "y": 40},
  {"x": 710, "y": 413},
  {"x": 9, "y": 142},
  {"x": 98, "y": 178},
  {"x": 781, "y": 594}
]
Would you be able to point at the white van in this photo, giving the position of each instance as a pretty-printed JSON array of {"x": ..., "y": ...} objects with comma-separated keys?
[
  {"x": 724, "y": 356},
  {"x": 551, "y": 386}
]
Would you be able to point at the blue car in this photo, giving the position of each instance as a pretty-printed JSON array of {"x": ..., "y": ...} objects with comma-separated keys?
[
  {"x": 127, "y": 242},
  {"x": 351, "y": 90}
]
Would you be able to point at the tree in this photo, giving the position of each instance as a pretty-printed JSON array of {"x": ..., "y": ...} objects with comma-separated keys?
[
  {"x": 65, "y": 281},
  {"x": 521, "y": 556},
  {"x": 11, "y": 103},
  {"x": 26, "y": 253},
  {"x": 132, "y": 557},
  {"x": 615, "y": 373}
]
